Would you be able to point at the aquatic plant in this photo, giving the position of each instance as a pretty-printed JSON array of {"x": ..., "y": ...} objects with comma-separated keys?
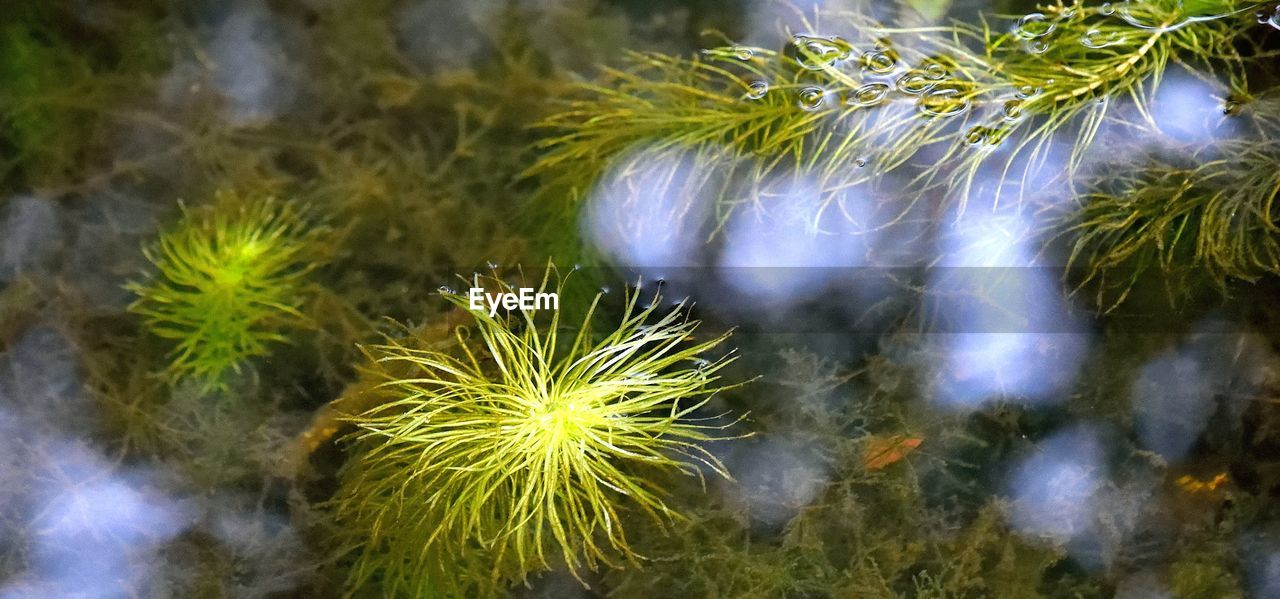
[
  {"x": 826, "y": 107},
  {"x": 228, "y": 280},
  {"x": 36, "y": 134},
  {"x": 521, "y": 447},
  {"x": 1217, "y": 214}
]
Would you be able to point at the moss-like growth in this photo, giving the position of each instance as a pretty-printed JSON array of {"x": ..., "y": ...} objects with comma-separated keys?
[
  {"x": 520, "y": 448},
  {"x": 229, "y": 280}
]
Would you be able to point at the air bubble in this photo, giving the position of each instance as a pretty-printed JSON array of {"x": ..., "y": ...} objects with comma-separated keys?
[
  {"x": 869, "y": 94},
  {"x": 1274, "y": 19},
  {"x": 1035, "y": 46},
  {"x": 1106, "y": 8},
  {"x": 757, "y": 89},
  {"x": 734, "y": 53},
  {"x": 879, "y": 62},
  {"x": 1033, "y": 26},
  {"x": 819, "y": 53},
  {"x": 1012, "y": 110},
  {"x": 943, "y": 103},
  {"x": 975, "y": 136},
  {"x": 915, "y": 83},
  {"x": 1094, "y": 38},
  {"x": 935, "y": 72},
  {"x": 860, "y": 162},
  {"x": 812, "y": 98}
]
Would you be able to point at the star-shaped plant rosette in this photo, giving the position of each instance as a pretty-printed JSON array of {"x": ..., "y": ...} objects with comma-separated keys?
[{"x": 513, "y": 449}]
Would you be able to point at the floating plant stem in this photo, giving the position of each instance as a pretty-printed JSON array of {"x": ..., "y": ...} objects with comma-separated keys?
[{"x": 958, "y": 77}]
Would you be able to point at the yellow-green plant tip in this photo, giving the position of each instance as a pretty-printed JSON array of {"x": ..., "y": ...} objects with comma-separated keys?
[
  {"x": 522, "y": 448},
  {"x": 227, "y": 281}
]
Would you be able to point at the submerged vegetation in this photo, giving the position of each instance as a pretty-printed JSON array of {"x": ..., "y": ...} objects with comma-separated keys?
[
  {"x": 229, "y": 280},
  {"x": 1217, "y": 214},
  {"x": 383, "y": 439},
  {"x": 479, "y": 466},
  {"x": 923, "y": 119}
]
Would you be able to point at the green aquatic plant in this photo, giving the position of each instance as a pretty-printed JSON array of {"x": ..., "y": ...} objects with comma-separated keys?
[
  {"x": 825, "y": 107},
  {"x": 228, "y": 280},
  {"x": 1217, "y": 214},
  {"x": 521, "y": 448},
  {"x": 34, "y": 63}
]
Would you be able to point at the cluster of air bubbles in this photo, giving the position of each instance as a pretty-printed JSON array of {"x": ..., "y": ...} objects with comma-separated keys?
[
  {"x": 922, "y": 80},
  {"x": 812, "y": 98},
  {"x": 1095, "y": 38},
  {"x": 819, "y": 53},
  {"x": 1033, "y": 29},
  {"x": 757, "y": 89}
]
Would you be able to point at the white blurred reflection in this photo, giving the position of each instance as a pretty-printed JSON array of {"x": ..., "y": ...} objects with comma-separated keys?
[
  {"x": 250, "y": 65},
  {"x": 1014, "y": 333},
  {"x": 30, "y": 236},
  {"x": 1177, "y": 393},
  {"x": 1187, "y": 109},
  {"x": 776, "y": 478},
  {"x": 788, "y": 245},
  {"x": 94, "y": 530},
  {"x": 1055, "y": 491},
  {"x": 649, "y": 210}
]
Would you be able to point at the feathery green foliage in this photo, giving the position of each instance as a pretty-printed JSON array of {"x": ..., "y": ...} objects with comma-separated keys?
[
  {"x": 1218, "y": 214},
  {"x": 488, "y": 463},
  {"x": 228, "y": 279},
  {"x": 827, "y": 106}
]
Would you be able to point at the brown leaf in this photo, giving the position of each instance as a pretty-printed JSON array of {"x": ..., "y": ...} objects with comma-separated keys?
[{"x": 882, "y": 450}]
